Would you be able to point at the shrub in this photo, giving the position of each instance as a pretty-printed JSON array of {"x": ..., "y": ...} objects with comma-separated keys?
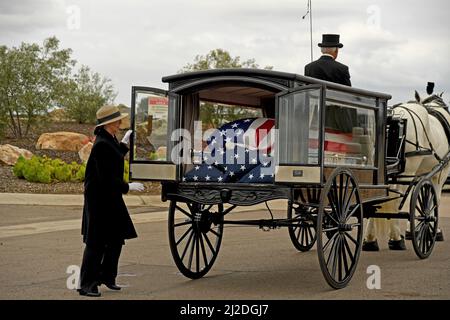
[
  {"x": 46, "y": 170},
  {"x": 126, "y": 172},
  {"x": 18, "y": 168}
]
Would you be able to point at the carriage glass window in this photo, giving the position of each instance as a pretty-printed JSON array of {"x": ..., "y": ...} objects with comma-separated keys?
[
  {"x": 151, "y": 114},
  {"x": 350, "y": 130},
  {"x": 299, "y": 127}
]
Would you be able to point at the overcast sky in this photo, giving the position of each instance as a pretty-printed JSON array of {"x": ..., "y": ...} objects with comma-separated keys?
[{"x": 393, "y": 47}]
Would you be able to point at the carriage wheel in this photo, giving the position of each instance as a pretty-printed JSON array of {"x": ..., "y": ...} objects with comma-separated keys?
[
  {"x": 339, "y": 228},
  {"x": 423, "y": 212},
  {"x": 303, "y": 233},
  {"x": 195, "y": 234}
]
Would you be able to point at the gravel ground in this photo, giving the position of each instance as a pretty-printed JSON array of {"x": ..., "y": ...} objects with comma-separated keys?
[{"x": 9, "y": 183}]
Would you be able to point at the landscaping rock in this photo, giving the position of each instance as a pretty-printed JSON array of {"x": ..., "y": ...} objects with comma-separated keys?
[
  {"x": 162, "y": 153},
  {"x": 85, "y": 152},
  {"x": 9, "y": 154},
  {"x": 63, "y": 141},
  {"x": 58, "y": 115}
]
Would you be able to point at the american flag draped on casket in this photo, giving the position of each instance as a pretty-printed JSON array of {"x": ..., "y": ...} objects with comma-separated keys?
[{"x": 240, "y": 151}]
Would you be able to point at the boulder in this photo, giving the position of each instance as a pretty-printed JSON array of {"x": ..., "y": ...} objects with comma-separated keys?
[
  {"x": 161, "y": 153},
  {"x": 85, "y": 151},
  {"x": 58, "y": 115},
  {"x": 9, "y": 154},
  {"x": 62, "y": 141}
]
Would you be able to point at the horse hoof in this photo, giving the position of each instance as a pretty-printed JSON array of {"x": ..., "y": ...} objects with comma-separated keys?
[
  {"x": 408, "y": 235},
  {"x": 370, "y": 246},
  {"x": 439, "y": 236},
  {"x": 397, "y": 244}
]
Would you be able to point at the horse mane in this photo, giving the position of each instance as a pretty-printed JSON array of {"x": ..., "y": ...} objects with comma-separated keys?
[{"x": 436, "y": 99}]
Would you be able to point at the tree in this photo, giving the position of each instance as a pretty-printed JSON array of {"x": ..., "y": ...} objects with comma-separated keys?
[
  {"x": 85, "y": 94},
  {"x": 31, "y": 80},
  {"x": 219, "y": 59},
  {"x": 213, "y": 115}
]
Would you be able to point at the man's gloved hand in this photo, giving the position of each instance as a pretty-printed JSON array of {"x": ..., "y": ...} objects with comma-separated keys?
[
  {"x": 136, "y": 186},
  {"x": 126, "y": 137}
]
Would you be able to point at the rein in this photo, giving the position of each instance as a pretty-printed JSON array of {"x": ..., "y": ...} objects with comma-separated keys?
[{"x": 420, "y": 150}]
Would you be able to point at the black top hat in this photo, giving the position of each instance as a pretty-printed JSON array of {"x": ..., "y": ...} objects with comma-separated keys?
[{"x": 330, "y": 40}]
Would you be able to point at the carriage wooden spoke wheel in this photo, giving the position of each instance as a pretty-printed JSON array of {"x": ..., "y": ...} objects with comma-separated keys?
[
  {"x": 339, "y": 228},
  {"x": 195, "y": 234},
  {"x": 303, "y": 216},
  {"x": 423, "y": 212}
]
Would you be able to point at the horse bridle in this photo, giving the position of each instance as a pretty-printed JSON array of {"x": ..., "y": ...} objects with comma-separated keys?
[{"x": 420, "y": 150}]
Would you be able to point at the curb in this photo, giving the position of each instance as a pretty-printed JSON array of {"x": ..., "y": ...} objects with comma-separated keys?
[
  {"x": 72, "y": 199},
  {"x": 34, "y": 199}
]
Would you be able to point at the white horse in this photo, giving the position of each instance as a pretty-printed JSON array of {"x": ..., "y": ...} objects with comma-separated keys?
[{"x": 424, "y": 131}]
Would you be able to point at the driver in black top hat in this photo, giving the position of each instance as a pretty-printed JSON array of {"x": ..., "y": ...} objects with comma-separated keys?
[{"x": 326, "y": 67}]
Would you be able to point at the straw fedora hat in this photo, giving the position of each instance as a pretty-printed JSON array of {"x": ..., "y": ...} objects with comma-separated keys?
[{"x": 109, "y": 114}]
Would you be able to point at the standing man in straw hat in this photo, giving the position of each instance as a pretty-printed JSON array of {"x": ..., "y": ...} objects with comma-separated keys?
[
  {"x": 106, "y": 222},
  {"x": 326, "y": 67}
]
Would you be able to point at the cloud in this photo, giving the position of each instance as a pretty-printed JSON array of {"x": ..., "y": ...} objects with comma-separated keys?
[
  {"x": 390, "y": 46},
  {"x": 18, "y": 17}
]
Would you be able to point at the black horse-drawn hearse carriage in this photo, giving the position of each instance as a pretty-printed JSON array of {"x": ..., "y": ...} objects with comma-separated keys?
[{"x": 335, "y": 151}]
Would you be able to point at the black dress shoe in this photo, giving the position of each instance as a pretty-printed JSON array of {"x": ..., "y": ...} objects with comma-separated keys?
[
  {"x": 112, "y": 286},
  {"x": 93, "y": 292}
]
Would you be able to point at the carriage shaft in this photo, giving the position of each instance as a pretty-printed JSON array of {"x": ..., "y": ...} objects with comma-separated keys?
[{"x": 269, "y": 223}]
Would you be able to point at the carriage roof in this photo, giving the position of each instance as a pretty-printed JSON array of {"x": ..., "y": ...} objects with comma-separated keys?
[{"x": 268, "y": 80}]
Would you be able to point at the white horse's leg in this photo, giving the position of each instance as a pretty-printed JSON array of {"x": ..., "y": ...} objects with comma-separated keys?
[
  {"x": 370, "y": 242},
  {"x": 371, "y": 231},
  {"x": 394, "y": 230}
]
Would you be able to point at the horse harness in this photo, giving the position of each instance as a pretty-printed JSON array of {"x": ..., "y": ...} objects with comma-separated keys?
[{"x": 421, "y": 150}]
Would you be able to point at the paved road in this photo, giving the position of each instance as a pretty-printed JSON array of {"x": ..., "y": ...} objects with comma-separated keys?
[{"x": 39, "y": 243}]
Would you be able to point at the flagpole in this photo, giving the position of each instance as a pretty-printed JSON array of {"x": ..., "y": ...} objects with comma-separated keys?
[{"x": 310, "y": 28}]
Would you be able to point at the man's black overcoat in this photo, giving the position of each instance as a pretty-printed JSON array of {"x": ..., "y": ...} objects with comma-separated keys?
[
  {"x": 326, "y": 68},
  {"x": 105, "y": 215}
]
